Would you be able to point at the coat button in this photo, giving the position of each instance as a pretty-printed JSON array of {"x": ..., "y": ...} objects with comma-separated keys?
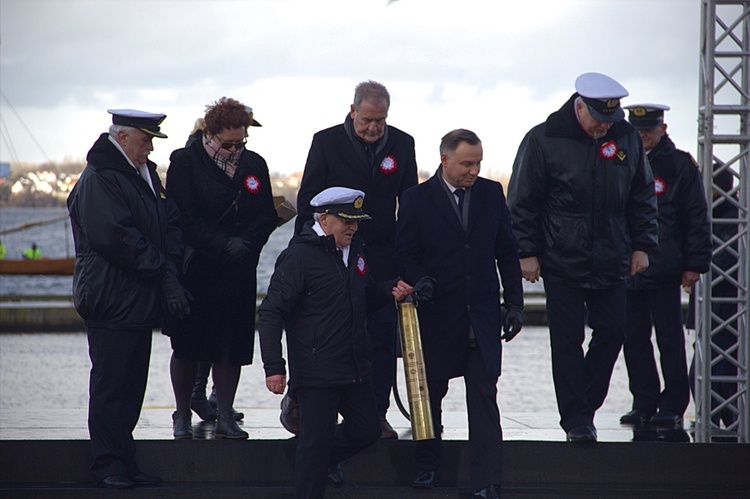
[{"x": 466, "y": 246}]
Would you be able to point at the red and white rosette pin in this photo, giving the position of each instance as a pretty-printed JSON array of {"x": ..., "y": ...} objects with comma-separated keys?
[
  {"x": 660, "y": 186},
  {"x": 252, "y": 184},
  {"x": 361, "y": 265},
  {"x": 388, "y": 165},
  {"x": 609, "y": 150}
]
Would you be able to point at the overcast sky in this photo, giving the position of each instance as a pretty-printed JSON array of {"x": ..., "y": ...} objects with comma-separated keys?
[{"x": 495, "y": 67}]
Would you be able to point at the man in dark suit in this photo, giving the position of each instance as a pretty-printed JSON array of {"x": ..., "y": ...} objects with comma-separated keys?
[
  {"x": 366, "y": 154},
  {"x": 453, "y": 235}
]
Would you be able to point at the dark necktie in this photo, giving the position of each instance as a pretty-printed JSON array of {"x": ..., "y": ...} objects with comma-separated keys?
[{"x": 460, "y": 195}]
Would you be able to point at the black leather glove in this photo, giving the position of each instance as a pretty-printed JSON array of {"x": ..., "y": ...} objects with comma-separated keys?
[
  {"x": 236, "y": 250},
  {"x": 424, "y": 289},
  {"x": 513, "y": 322},
  {"x": 178, "y": 298}
]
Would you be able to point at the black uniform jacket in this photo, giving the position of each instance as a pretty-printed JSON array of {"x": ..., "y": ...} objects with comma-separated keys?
[
  {"x": 582, "y": 205},
  {"x": 336, "y": 158},
  {"x": 125, "y": 238},
  {"x": 320, "y": 303},
  {"x": 684, "y": 231},
  {"x": 432, "y": 242},
  {"x": 224, "y": 290}
]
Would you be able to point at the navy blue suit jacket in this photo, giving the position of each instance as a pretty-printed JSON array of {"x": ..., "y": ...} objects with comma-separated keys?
[{"x": 431, "y": 241}]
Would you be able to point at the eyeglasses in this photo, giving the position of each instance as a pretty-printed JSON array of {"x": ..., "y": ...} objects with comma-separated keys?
[{"x": 229, "y": 145}]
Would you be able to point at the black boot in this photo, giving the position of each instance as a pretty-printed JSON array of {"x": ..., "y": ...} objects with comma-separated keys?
[
  {"x": 181, "y": 426},
  {"x": 198, "y": 402},
  {"x": 226, "y": 427},
  {"x": 238, "y": 416}
]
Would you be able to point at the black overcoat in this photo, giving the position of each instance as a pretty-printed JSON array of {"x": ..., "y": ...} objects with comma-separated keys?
[
  {"x": 320, "y": 303},
  {"x": 338, "y": 159},
  {"x": 432, "y": 242},
  {"x": 224, "y": 292},
  {"x": 684, "y": 231},
  {"x": 582, "y": 205},
  {"x": 126, "y": 236}
]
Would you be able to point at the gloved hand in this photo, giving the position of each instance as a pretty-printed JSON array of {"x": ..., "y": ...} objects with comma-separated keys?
[
  {"x": 424, "y": 289},
  {"x": 513, "y": 322},
  {"x": 236, "y": 250},
  {"x": 177, "y": 297}
]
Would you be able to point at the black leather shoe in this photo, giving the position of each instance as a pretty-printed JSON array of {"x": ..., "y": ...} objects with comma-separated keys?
[
  {"x": 636, "y": 417},
  {"x": 237, "y": 415},
  {"x": 491, "y": 492},
  {"x": 586, "y": 433},
  {"x": 144, "y": 479},
  {"x": 117, "y": 482},
  {"x": 335, "y": 475},
  {"x": 425, "y": 479},
  {"x": 666, "y": 418}
]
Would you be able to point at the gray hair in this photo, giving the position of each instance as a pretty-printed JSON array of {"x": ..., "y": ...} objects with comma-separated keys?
[
  {"x": 316, "y": 216},
  {"x": 114, "y": 130},
  {"x": 449, "y": 143},
  {"x": 371, "y": 91}
]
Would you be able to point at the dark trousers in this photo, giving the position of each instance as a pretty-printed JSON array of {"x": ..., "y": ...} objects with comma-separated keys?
[
  {"x": 322, "y": 442},
  {"x": 659, "y": 308},
  {"x": 582, "y": 378},
  {"x": 117, "y": 384},
  {"x": 485, "y": 432},
  {"x": 381, "y": 325}
]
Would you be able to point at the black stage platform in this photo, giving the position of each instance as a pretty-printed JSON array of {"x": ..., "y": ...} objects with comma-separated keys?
[{"x": 47, "y": 455}]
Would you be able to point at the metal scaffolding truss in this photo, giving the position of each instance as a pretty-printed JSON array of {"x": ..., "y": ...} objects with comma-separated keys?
[{"x": 722, "y": 349}]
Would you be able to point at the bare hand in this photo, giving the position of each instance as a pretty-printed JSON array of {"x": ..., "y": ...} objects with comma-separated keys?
[
  {"x": 401, "y": 290},
  {"x": 276, "y": 383},
  {"x": 688, "y": 279},
  {"x": 638, "y": 262},
  {"x": 530, "y": 268}
]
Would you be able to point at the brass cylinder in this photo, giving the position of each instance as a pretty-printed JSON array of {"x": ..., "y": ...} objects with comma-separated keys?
[{"x": 416, "y": 375}]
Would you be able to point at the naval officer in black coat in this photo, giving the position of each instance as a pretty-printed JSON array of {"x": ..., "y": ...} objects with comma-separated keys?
[{"x": 128, "y": 253}]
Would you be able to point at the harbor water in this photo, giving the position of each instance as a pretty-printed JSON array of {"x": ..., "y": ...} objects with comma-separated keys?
[{"x": 45, "y": 371}]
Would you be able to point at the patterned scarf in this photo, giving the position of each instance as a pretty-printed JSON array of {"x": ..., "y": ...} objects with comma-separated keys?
[{"x": 227, "y": 161}]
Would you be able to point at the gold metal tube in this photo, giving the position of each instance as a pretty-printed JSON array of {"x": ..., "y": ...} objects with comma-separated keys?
[{"x": 416, "y": 375}]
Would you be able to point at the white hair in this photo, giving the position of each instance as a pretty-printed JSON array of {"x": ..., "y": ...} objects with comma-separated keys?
[
  {"x": 114, "y": 130},
  {"x": 316, "y": 216}
]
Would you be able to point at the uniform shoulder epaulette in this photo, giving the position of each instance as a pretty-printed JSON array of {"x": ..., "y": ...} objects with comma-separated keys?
[{"x": 690, "y": 156}]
